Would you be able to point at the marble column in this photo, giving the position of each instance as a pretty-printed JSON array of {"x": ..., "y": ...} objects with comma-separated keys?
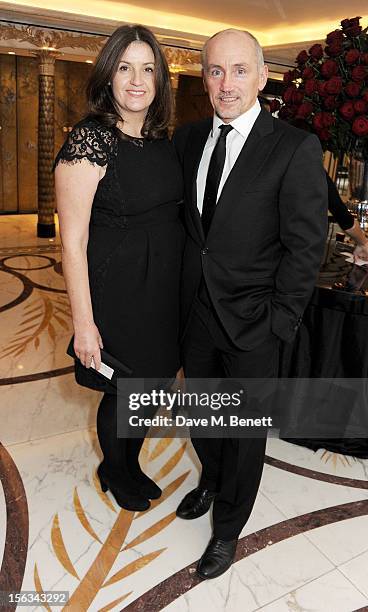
[{"x": 46, "y": 198}]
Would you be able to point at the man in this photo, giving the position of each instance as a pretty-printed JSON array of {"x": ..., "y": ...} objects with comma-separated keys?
[{"x": 256, "y": 216}]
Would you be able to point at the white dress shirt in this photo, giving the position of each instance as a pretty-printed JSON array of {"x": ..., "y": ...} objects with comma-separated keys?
[{"x": 235, "y": 141}]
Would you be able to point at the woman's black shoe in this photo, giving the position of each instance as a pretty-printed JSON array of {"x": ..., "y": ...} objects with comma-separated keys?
[
  {"x": 146, "y": 485},
  {"x": 128, "y": 501}
]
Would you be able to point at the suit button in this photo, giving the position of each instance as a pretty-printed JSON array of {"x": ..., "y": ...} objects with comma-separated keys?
[{"x": 204, "y": 251}]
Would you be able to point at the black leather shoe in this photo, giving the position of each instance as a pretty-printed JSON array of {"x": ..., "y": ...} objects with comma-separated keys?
[
  {"x": 196, "y": 503},
  {"x": 217, "y": 558}
]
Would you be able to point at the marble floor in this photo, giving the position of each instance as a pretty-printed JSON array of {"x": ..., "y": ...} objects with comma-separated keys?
[{"x": 304, "y": 548}]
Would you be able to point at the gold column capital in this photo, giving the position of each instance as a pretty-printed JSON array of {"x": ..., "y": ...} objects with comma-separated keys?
[{"x": 46, "y": 60}]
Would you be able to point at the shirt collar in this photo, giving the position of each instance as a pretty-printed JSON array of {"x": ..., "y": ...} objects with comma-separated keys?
[{"x": 242, "y": 124}]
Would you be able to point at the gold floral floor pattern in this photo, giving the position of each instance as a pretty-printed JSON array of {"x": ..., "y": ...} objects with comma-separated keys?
[{"x": 303, "y": 543}]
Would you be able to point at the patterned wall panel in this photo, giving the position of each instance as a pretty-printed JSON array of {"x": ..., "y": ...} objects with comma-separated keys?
[
  {"x": 19, "y": 119},
  {"x": 8, "y": 134},
  {"x": 27, "y": 119},
  {"x": 192, "y": 102},
  {"x": 78, "y": 76},
  {"x": 61, "y": 102},
  {"x": 70, "y": 100}
]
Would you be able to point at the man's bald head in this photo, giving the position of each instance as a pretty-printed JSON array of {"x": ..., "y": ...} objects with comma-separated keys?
[
  {"x": 257, "y": 46},
  {"x": 233, "y": 72}
]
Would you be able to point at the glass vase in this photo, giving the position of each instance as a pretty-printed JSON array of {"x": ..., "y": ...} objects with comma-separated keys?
[{"x": 358, "y": 179}]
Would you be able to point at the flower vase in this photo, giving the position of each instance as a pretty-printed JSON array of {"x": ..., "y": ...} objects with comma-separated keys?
[{"x": 358, "y": 179}]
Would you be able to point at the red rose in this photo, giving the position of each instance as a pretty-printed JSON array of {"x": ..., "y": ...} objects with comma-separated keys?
[
  {"x": 321, "y": 88},
  {"x": 334, "y": 85},
  {"x": 308, "y": 73},
  {"x": 346, "y": 110},
  {"x": 353, "y": 31},
  {"x": 297, "y": 96},
  {"x": 329, "y": 68},
  {"x": 364, "y": 58},
  {"x": 336, "y": 35},
  {"x": 360, "y": 106},
  {"x": 323, "y": 120},
  {"x": 324, "y": 134},
  {"x": 365, "y": 95},
  {"x": 316, "y": 51},
  {"x": 287, "y": 77},
  {"x": 287, "y": 96},
  {"x": 318, "y": 121},
  {"x": 302, "y": 57},
  {"x": 358, "y": 73},
  {"x": 292, "y": 110},
  {"x": 352, "y": 89},
  {"x": 330, "y": 102},
  {"x": 334, "y": 49},
  {"x": 284, "y": 112},
  {"x": 355, "y": 21},
  {"x": 290, "y": 75},
  {"x": 360, "y": 126},
  {"x": 310, "y": 86},
  {"x": 351, "y": 27},
  {"x": 352, "y": 56},
  {"x": 304, "y": 110},
  {"x": 275, "y": 105},
  {"x": 328, "y": 120}
]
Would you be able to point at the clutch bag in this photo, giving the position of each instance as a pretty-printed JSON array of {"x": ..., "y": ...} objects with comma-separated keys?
[{"x": 111, "y": 368}]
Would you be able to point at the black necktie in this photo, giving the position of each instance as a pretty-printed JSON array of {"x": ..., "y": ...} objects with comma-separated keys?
[{"x": 214, "y": 177}]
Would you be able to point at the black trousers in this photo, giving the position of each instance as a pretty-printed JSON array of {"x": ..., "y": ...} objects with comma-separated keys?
[
  {"x": 120, "y": 455},
  {"x": 233, "y": 467}
]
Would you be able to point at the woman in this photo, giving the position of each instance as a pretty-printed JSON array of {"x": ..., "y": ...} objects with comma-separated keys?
[
  {"x": 118, "y": 188},
  {"x": 346, "y": 221}
]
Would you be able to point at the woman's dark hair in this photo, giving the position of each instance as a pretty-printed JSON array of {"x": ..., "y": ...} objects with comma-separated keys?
[{"x": 100, "y": 99}]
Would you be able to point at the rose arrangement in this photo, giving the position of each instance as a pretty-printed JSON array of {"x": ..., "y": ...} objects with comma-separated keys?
[{"x": 327, "y": 92}]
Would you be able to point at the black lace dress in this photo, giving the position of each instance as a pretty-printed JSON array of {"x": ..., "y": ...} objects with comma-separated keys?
[{"x": 134, "y": 250}]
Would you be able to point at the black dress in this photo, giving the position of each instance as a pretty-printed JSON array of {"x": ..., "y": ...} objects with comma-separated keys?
[
  {"x": 336, "y": 206},
  {"x": 134, "y": 249}
]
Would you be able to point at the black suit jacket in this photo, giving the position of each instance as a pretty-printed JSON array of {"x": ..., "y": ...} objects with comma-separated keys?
[{"x": 262, "y": 253}]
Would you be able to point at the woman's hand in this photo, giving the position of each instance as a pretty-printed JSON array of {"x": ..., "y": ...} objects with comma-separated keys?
[
  {"x": 361, "y": 251},
  {"x": 87, "y": 344}
]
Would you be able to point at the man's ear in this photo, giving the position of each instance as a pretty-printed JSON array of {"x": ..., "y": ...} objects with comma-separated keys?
[
  {"x": 263, "y": 77},
  {"x": 204, "y": 81}
]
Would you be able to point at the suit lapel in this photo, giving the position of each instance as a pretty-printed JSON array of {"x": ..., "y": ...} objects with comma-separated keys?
[
  {"x": 196, "y": 145},
  {"x": 248, "y": 164}
]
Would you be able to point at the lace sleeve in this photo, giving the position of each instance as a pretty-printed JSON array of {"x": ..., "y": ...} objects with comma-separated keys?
[{"x": 91, "y": 141}]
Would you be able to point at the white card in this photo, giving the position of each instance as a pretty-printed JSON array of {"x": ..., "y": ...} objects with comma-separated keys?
[{"x": 104, "y": 369}]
